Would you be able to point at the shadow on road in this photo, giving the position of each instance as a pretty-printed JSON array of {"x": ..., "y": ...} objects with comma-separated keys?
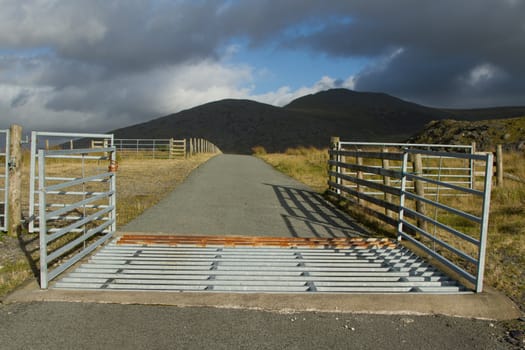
[{"x": 309, "y": 215}]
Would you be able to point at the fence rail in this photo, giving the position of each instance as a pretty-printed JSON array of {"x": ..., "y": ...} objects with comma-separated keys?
[
  {"x": 4, "y": 179},
  {"x": 76, "y": 214},
  {"x": 418, "y": 192},
  {"x": 164, "y": 148},
  {"x": 458, "y": 172}
]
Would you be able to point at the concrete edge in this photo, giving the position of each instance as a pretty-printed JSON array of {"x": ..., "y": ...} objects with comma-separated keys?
[{"x": 489, "y": 305}]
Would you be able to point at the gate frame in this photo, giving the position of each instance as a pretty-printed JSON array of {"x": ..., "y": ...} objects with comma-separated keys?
[
  {"x": 336, "y": 163},
  {"x": 107, "y": 228},
  {"x": 33, "y": 164},
  {"x": 4, "y": 224}
]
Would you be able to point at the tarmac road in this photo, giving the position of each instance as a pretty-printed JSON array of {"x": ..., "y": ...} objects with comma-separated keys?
[
  {"x": 242, "y": 195},
  {"x": 51, "y": 325}
]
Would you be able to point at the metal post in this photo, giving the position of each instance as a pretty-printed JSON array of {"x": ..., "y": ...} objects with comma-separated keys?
[
  {"x": 386, "y": 182},
  {"x": 419, "y": 189},
  {"x": 153, "y": 148},
  {"x": 42, "y": 219},
  {"x": 484, "y": 222},
  {"x": 472, "y": 166},
  {"x": 402, "y": 196},
  {"x": 113, "y": 198},
  {"x": 32, "y": 180}
]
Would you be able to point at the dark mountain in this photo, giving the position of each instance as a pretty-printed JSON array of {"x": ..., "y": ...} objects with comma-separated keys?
[{"x": 238, "y": 125}]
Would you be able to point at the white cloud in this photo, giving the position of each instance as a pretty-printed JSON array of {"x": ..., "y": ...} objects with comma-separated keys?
[
  {"x": 285, "y": 94},
  {"x": 123, "y": 100},
  {"x": 103, "y": 104},
  {"x": 483, "y": 74}
]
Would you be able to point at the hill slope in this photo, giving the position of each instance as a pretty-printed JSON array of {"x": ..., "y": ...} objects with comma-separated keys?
[{"x": 238, "y": 125}]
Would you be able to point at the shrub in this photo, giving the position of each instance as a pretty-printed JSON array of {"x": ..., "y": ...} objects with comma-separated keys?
[{"x": 258, "y": 150}]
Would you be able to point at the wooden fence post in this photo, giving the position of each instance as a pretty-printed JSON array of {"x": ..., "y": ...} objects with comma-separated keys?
[
  {"x": 334, "y": 145},
  {"x": 15, "y": 181},
  {"x": 419, "y": 188},
  {"x": 359, "y": 161},
  {"x": 386, "y": 182},
  {"x": 499, "y": 165}
]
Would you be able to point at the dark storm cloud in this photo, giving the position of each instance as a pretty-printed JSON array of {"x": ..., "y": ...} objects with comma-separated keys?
[{"x": 465, "y": 53}]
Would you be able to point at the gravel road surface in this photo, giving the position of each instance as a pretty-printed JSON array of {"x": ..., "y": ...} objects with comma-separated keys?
[{"x": 242, "y": 195}]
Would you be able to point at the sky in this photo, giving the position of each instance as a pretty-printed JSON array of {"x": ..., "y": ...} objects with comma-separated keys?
[{"x": 97, "y": 65}]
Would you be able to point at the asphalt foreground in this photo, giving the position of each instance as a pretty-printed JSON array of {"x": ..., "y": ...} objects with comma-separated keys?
[{"x": 216, "y": 199}]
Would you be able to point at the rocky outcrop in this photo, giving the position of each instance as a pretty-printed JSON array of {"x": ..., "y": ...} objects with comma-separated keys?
[{"x": 486, "y": 133}]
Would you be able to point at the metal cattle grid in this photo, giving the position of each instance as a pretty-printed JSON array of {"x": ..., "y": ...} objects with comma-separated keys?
[
  {"x": 4, "y": 179},
  {"x": 257, "y": 264}
]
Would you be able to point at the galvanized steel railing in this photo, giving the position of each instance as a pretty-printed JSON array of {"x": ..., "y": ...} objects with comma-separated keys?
[
  {"x": 4, "y": 179},
  {"x": 85, "y": 215},
  {"x": 451, "y": 228},
  {"x": 37, "y": 143}
]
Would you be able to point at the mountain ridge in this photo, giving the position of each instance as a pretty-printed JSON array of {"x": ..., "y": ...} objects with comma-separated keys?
[{"x": 236, "y": 126}]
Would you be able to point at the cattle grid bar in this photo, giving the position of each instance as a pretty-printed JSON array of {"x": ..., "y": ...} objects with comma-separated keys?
[
  {"x": 86, "y": 216},
  {"x": 4, "y": 180},
  {"x": 37, "y": 140},
  {"x": 392, "y": 187}
]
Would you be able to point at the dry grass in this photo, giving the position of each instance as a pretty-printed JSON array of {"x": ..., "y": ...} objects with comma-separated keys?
[
  {"x": 308, "y": 165},
  {"x": 505, "y": 255},
  {"x": 143, "y": 183}
]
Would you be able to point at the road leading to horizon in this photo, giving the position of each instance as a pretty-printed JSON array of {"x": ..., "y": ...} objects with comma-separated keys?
[{"x": 242, "y": 195}]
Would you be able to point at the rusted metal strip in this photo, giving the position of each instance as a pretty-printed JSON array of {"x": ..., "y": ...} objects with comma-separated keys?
[{"x": 249, "y": 241}]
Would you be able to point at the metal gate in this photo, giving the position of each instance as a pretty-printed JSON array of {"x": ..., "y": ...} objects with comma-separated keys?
[
  {"x": 4, "y": 179},
  {"x": 435, "y": 203},
  {"x": 76, "y": 191}
]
